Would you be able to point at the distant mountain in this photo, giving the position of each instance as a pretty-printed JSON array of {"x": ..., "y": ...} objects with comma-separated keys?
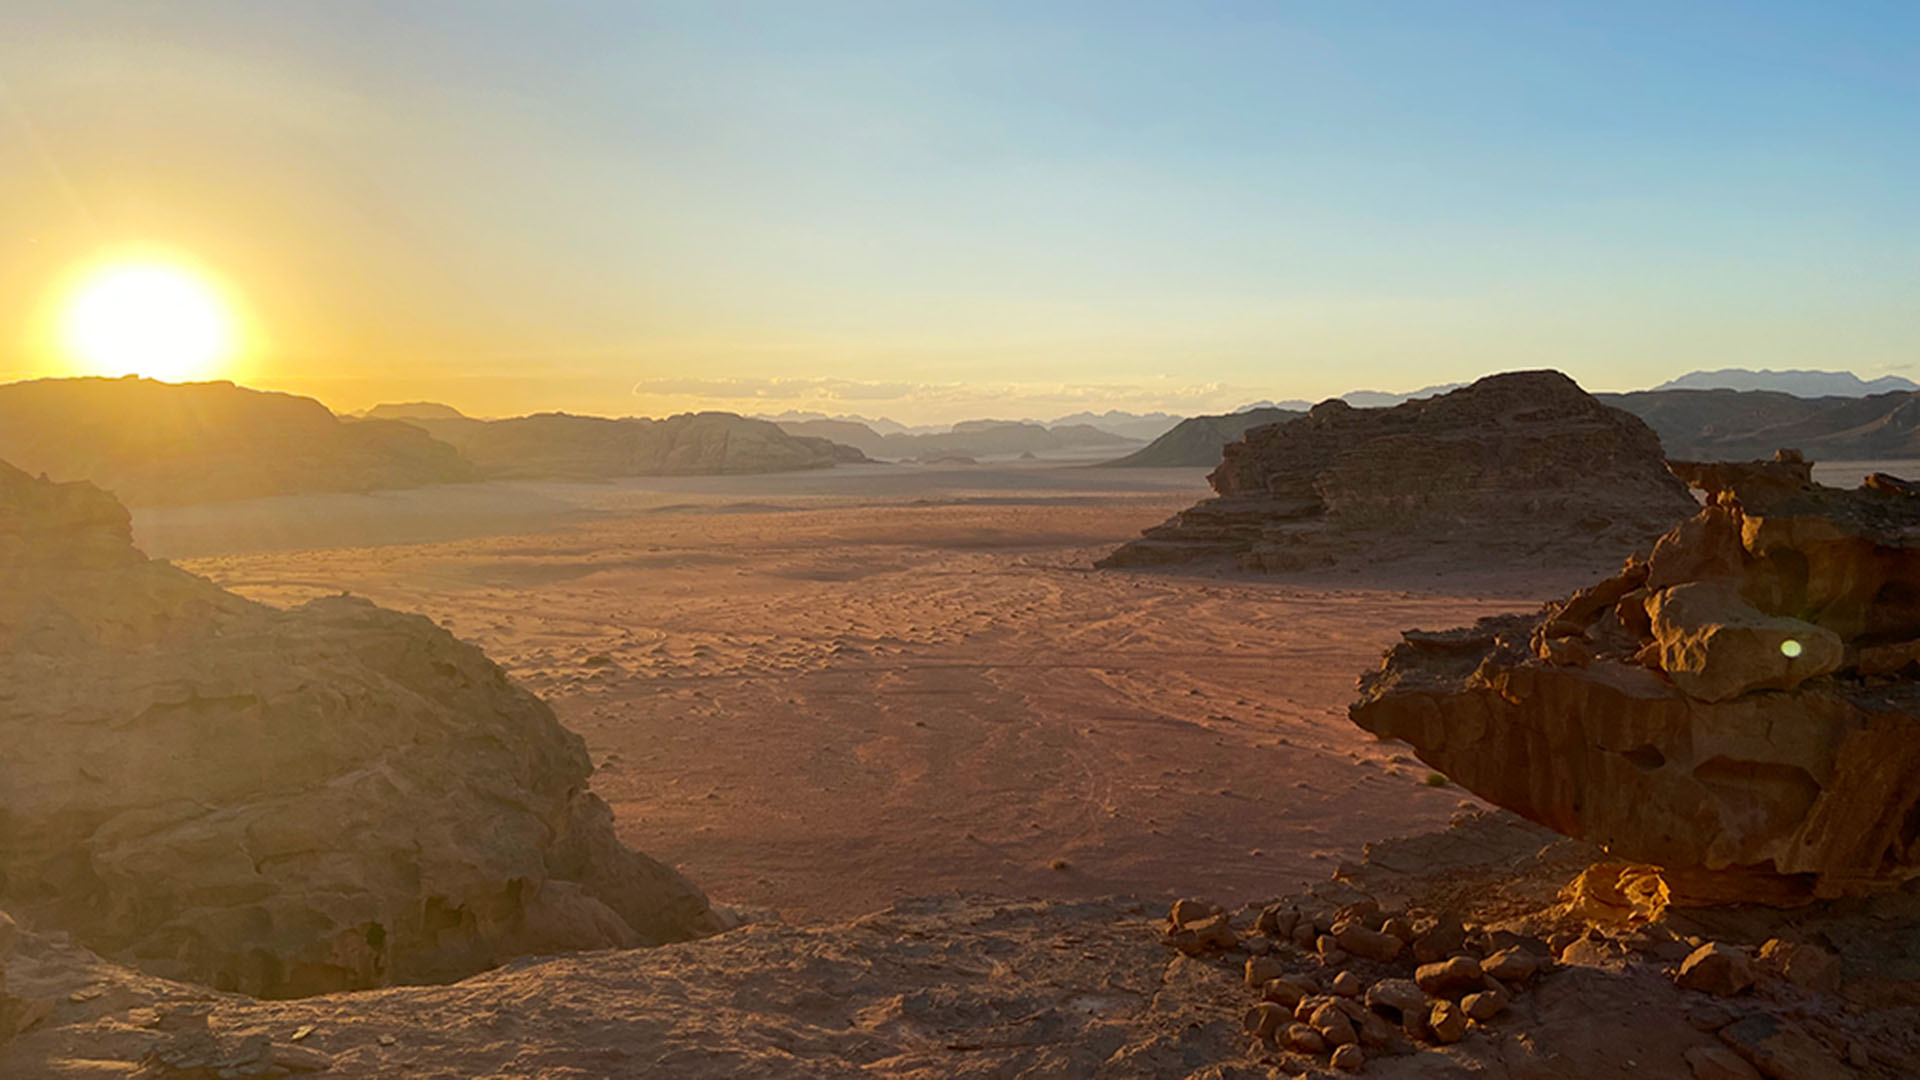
[
  {"x": 1142, "y": 426},
  {"x": 1197, "y": 441},
  {"x": 969, "y": 438},
  {"x": 560, "y": 445},
  {"x": 1380, "y": 399},
  {"x": 1806, "y": 384},
  {"x": 414, "y": 410},
  {"x": 155, "y": 443},
  {"x": 1359, "y": 399},
  {"x": 1739, "y": 425},
  {"x": 879, "y": 424}
]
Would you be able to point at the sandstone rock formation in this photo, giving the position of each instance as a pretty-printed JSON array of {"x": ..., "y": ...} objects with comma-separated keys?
[
  {"x": 1523, "y": 468},
  {"x": 1740, "y": 708},
  {"x": 283, "y": 802},
  {"x": 559, "y": 445},
  {"x": 165, "y": 444}
]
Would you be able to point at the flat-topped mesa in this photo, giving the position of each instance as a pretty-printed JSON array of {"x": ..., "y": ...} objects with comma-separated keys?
[
  {"x": 1523, "y": 468},
  {"x": 284, "y": 802},
  {"x": 1741, "y": 708}
]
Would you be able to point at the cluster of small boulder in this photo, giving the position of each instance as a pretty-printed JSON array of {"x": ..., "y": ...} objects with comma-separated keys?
[{"x": 1367, "y": 980}]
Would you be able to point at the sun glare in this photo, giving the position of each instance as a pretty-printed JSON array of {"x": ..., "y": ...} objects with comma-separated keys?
[{"x": 150, "y": 318}]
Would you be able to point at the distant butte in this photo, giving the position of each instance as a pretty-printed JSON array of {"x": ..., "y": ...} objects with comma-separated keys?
[{"x": 1519, "y": 469}]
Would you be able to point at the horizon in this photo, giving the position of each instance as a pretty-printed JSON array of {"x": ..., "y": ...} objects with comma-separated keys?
[
  {"x": 1084, "y": 415},
  {"x": 935, "y": 215}
]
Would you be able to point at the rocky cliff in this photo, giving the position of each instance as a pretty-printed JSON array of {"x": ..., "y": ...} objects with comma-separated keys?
[
  {"x": 1739, "y": 709},
  {"x": 1519, "y": 468},
  {"x": 284, "y": 802},
  {"x": 169, "y": 444}
]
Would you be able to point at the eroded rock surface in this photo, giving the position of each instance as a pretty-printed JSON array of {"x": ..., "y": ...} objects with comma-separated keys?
[
  {"x": 1523, "y": 468},
  {"x": 283, "y": 802},
  {"x": 1741, "y": 708}
]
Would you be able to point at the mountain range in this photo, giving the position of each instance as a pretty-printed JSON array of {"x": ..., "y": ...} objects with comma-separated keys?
[
  {"x": 1807, "y": 384},
  {"x": 156, "y": 443}
]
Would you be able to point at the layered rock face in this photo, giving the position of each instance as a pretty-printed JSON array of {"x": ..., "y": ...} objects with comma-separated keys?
[
  {"x": 1519, "y": 468},
  {"x": 1741, "y": 708},
  {"x": 284, "y": 802}
]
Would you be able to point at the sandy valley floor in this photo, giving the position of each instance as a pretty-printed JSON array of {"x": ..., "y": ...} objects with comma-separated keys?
[{"x": 821, "y": 699}]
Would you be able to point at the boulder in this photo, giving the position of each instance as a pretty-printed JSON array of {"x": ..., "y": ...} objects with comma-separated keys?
[
  {"x": 1717, "y": 969},
  {"x": 284, "y": 802},
  {"x": 1745, "y": 728},
  {"x": 1450, "y": 978},
  {"x": 1513, "y": 470},
  {"x": 1809, "y": 967}
]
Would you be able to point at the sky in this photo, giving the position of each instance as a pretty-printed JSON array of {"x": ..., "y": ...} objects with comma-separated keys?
[{"x": 933, "y": 211}]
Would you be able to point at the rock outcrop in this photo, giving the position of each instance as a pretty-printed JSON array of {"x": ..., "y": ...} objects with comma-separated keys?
[
  {"x": 1523, "y": 468},
  {"x": 1741, "y": 708},
  {"x": 170, "y": 444},
  {"x": 284, "y": 802},
  {"x": 563, "y": 446}
]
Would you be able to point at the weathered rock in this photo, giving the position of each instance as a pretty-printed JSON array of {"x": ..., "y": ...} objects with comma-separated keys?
[
  {"x": 1333, "y": 1024},
  {"x": 1264, "y": 1019},
  {"x": 1400, "y": 996},
  {"x": 1347, "y": 985},
  {"x": 1450, "y": 978},
  {"x": 1781, "y": 1050},
  {"x": 1719, "y": 1063},
  {"x": 1261, "y": 970},
  {"x": 1733, "y": 732},
  {"x": 1284, "y": 991},
  {"x": 1715, "y": 646},
  {"x": 1348, "y": 1058},
  {"x": 1717, "y": 969},
  {"x": 1511, "y": 965},
  {"x": 1447, "y": 1022},
  {"x": 284, "y": 802},
  {"x": 1355, "y": 938},
  {"x": 1513, "y": 469},
  {"x": 1186, "y": 912},
  {"x": 1302, "y": 1038},
  {"x": 1484, "y": 1005},
  {"x": 1440, "y": 939},
  {"x": 1277, "y": 922},
  {"x": 1809, "y": 967}
]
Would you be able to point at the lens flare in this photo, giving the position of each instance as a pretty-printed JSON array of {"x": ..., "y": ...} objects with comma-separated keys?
[
  {"x": 148, "y": 318},
  {"x": 1790, "y": 648}
]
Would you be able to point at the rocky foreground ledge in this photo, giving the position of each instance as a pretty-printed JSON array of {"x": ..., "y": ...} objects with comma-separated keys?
[
  {"x": 979, "y": 988},
  {"x": 334, "y": 797}
]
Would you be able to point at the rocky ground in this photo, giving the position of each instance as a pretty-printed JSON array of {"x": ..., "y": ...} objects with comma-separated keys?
[{"x": 962, "y": 986}]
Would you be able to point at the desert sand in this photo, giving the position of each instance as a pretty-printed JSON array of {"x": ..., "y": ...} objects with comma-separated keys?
[{"x": 821, "y": 694}]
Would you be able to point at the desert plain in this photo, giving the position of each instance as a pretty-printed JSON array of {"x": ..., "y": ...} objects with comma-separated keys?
[{"x": 818, "y": 694}]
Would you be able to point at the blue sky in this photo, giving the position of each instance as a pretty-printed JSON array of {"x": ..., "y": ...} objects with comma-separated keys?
[{"x": 941, "y": 210}]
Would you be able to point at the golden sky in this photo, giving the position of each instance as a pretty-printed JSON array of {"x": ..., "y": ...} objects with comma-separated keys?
[{"x": 932, "y": 212}]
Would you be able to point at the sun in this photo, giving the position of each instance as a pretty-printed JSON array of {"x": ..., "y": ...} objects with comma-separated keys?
[{"x": 156, "y": 319}]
